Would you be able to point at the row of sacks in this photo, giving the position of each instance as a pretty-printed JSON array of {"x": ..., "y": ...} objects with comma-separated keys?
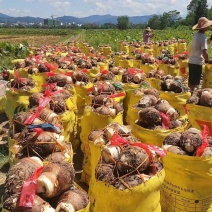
[
  {"x": 143, "y": 177},
  {"x": 154, "y": 48}
]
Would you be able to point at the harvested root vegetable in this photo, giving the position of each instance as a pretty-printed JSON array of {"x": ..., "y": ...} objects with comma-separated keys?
[
  {"x": 104, "y": 172},
  {"x": 206, "y": 98},
  {"x": 100, "y": 100},
  {"x": 133, "y": 158},
  {"x": 190, "y": 140},
  {"x": 97, "y": 137},
  {"x": 34, "y": 99},
  {"x": 130, "y": 181},
  {"x": 56, "y": 178},
  {"x": 164, "y": 107},
  {"x": 110, "y": 154},
  {"x": 104, "y": 76},
  {"x": 147, "y": 101},
  {"x": 61, "y": 80},
  {"x": 149, "y": 116},
  {"x": 103, "y": 88},
  {"x": 23, "y": 84},
  {"x": 41, "y": 144},
  {"x": 19, "y": 173},
  {"x": 207, "y": 152},
  {"x": 113, "y": 128},
  {"x": 10, "y": 203},
  {"x": 175, "y": 124},
  {"x": 49, "y": 116},
  {"x": 173, "y": 139},
  {"x": 134, "y": 77},
  {"x": 80, "y": 76},
  {"x": 72, "y": 200},
  {"x": 152, "y": 91},
  {"x": 176, "y": 150}
]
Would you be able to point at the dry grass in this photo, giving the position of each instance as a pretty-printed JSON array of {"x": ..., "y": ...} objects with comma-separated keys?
[{"x": 36, "y": 41}]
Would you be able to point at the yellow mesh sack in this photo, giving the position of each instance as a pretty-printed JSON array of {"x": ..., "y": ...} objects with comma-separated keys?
[
  {"x": 199, "y": 115},
  {"x": 155, "y": 137},
  {"x": 207, "y": 76},
  {"x": 141, "y": 198},
  {"x": 176, "y": 100},
  {"x": 187, "y": 183},
  {"x": 17, "y": 101},
  {"x": 148, "y": 67},
  {"x": 155, "y": 83},
  {"x": 81, "y": 93},
  {"x": 126, "y": 63}
]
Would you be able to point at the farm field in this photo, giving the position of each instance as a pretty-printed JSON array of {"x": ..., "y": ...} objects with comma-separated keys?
[{"x": 75, "y": 91}]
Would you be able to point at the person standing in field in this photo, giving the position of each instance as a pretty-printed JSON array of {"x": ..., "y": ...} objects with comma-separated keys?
[
  {"x": 198, "y": 52},
  {"x": 147, "y": 34}
]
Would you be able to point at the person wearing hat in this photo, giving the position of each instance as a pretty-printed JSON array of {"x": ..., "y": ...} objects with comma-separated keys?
[
  {"x": 147, "y": 35},
  {"x": 198, "y": 53}
]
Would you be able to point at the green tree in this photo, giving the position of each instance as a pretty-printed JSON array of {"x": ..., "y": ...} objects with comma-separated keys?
[
  {"x": 123, "y": 22},
  {"x": 201, "y": 10},
  {"x": 196, "y": 9},
  {"x": 154, "y": 22}
]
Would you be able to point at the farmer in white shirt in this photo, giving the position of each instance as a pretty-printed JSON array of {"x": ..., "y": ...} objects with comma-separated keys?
[{"x": 198, "y": 52}]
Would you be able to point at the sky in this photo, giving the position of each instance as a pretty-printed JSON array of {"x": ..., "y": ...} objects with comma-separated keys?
[{"x": 84, "y": 8}]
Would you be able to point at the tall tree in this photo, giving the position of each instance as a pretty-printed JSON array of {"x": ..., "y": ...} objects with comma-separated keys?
[
  {"x": 123, "y": 22},
  {"x": 201, "y": 10},
  {"x": 196, "y": 9}
]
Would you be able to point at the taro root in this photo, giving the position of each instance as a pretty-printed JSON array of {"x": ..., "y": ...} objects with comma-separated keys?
[
  {"x": 209, "y": 138},
  {"x": 33, "y": 70},
  {"x": 176, "y": 150},
  {"x": 80, "y": 77},
  {"x": 175, "y": 123},
  {"x": 152, "y": 91},
  {"x": 22, "y": 84},
  {"x": 153, "y": 168},
  {"x": 149, "y": 116},
  {"x": 64, "y": 155},
  {"x": 194, "y": 99},
  {"x": 206, "y": 98},
  {"x": 10, "y": 203},
  {"x": 100, "y": 100},
  {"x": 72, "y": 200},
  {"x": 110, "y": 153},
  {"x": 61, "y": 80},
  {"x": 105, "y": 111},
  {"x": 97, "y": 137},
  {"x": 164, "y": 107},
  {"x": 172, "y": 139},
  {"x": 133, "y": 158},
  {"x": 104, "y": 88},
  {"x": 34, "y": 99},
  {"x": 49, "y": 116},
  {"x": 159, "y": 74},
  {"x": 147, "y": 101},
  {"x": 138, "y": 77},
  {"x": 42, "y": 68},
  {"x": 207, "y": 152},
  {"x": 104, "y": 76},
  {"x": 117, "y": 106},
  {"x": 19, "y": 173},
  {"x": 55, "y": 179},
  {"x": 191, "y": 139},
  {"x": 41, "y": 144},
  {"x": 113, "y": 128},
  {"x": 128, "y": 182},
  {"x": 104, "y": 172}
]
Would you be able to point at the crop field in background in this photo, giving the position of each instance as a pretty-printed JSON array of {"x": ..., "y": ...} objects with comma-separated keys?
[{"x": 94, "y": 37}]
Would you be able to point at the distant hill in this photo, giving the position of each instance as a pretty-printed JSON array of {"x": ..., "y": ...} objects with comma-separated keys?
[{"x": 97, "y": 19}]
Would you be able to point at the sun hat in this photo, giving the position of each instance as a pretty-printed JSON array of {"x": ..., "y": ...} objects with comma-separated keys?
[
  {"x": 203, "y": 22},
  {"x": 148, "y": 29}
]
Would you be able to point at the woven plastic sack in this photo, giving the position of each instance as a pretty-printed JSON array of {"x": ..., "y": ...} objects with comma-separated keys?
[
  {"x": 148, "y": 67},
  {"x": 182, "y": 47},
  {"x": 137, "y": 64},
  {"x": 81, "y": 93},
  {"x": 183, "y": 67},
  {"x": 207, "y": 76},
  {"x": 3, "y": 85},
  {"x": 142, "y": 198},
  {"x": 155, "y": 83},
  {"x": 176, "y": 100},
  {"x": 154, "y": 137},
  {"x": 199, "y": 115},
  {"x": 90, "y": 122},
  {"x": 17, "y": 101},
  {"x": 126, "y": 63},
  {"x": 187, "y": 184}
]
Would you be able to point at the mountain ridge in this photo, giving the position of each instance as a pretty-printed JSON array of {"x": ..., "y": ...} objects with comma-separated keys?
[{"x": 95, "y": 19}]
